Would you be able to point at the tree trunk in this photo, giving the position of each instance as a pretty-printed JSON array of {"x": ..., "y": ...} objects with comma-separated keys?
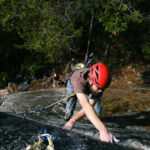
[
  {"x": 89, "y": 38},
  {"x": 107, "y": 48}
]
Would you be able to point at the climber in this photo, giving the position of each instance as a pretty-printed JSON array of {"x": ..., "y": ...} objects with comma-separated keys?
[{"x": 88, "y": 86}]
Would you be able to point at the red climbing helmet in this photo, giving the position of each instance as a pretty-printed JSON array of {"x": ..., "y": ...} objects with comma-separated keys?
[{"x": 100, "y": 75}]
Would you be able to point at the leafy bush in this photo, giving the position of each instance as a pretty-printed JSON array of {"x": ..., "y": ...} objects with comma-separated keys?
[
  {"x": 146, "y": 49},
  {"x": 32, "y": 64},
  {"x": 3, "y": 79}
]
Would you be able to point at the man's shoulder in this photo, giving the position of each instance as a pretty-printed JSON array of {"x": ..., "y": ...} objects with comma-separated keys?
[
  {"x": 82, "y": 70},
  {"x": 80, "y": 73}
]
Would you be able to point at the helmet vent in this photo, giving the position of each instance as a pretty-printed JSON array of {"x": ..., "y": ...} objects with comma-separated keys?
[
  {"x": 97, "y": 67},
  {"x": 92, "y": 70},
  {"x": 97, "y": 75},
  {"x": 96, "y": 82}
]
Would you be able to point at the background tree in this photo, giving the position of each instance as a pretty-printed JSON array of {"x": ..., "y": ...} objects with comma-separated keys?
[{"x": 38, "y": 34}]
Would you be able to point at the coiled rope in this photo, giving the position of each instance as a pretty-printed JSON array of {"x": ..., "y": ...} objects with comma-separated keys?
[{"x": 40, "y": 142}]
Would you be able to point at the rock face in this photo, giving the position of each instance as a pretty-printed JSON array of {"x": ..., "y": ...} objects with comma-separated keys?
[{"x": 19, "y": 128}]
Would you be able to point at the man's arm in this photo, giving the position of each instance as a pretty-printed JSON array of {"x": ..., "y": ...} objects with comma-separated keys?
[
  {"x": 87, "y": 109},
  {"x": 90, "y": 113},
  {"x": 105, "y": 135},
  {"x": 69, "y": 125}
]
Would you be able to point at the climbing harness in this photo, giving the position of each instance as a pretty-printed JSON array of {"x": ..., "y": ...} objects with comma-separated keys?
[
  {"x": 41, "y": 109},
  {"x": 43, "y": 137}
]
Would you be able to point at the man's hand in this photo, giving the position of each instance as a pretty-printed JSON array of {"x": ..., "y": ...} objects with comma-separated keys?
[
  {"x": 69, "y": 125},
  {"x": 106, "y": 136}
]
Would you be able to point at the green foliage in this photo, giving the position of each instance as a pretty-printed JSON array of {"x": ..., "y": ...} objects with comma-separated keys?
[
  {"x": 146, "y": 48},
  {"x": 58, "y": 30},
  {"x": 4, "y": 76},
  {"x": 3, "y": 79},
  {"x": 44, "y": 26},
  {"x": 32, "y": 65},
  {"x": 116, "y": 16}
]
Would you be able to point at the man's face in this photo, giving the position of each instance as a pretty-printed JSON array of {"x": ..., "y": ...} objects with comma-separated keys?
[{"x": 96, "y": 90}]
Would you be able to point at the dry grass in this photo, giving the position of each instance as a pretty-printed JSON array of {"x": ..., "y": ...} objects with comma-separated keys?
[{"x": 124, "y": 100}]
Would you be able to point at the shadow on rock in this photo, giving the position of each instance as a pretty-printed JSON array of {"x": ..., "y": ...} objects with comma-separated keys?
[
  {"x": 135, "y": 119},
  {"x": 17, "y": 133}
]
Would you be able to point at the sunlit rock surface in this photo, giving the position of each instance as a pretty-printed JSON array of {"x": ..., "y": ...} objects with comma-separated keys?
[{"x": 19, "y": 128}]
